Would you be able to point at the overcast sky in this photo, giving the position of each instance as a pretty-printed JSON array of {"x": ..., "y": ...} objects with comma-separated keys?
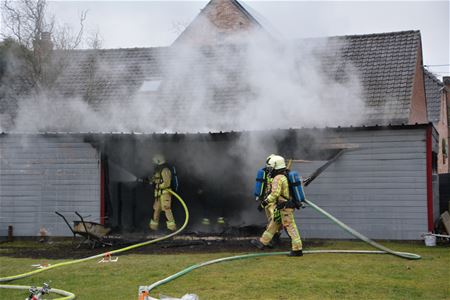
[{"x": 124, "y": 24}]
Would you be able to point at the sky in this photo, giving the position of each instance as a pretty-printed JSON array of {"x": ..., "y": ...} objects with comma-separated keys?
[{"x": 127, "y": 24}]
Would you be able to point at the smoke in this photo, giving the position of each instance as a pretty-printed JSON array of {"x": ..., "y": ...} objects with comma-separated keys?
[
  {"x": 247, "y": 82},
  {"x": 296, "y": 85},
  {"x": 259, "y": 83}
]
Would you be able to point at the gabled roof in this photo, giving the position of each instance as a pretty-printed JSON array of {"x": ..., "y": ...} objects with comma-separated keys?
[
  {"x": 243, "y": 10},
  {"x": 218, "y": 21},
  {"x": 384, "y": 63},
  {"x": 111, "y": 75},
  {"x": 433, "y": 90}
]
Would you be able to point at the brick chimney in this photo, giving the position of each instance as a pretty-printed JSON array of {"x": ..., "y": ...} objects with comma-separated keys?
[
  {"x": 446, "y": 81},
  {"x": 44, "y": 45}
]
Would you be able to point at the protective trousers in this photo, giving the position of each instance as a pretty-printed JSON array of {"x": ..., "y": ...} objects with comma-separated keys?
[
  {"x": 269, "y": 211},
  {"x": 162, "y": 202},
  {"x": 288, "y": 222}
]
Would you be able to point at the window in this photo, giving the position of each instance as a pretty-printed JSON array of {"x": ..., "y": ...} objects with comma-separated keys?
[
  {"x": 150, "y": 85},
  {"x": 444, "y": 150},
  {"x": 434, "y": 162}
]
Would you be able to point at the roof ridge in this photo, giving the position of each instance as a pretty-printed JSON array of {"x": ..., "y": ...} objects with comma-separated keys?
[
  {"x": 378, "y": 34},
  {"x": 294, "y": 40},
  {"x": 115, "y": 49}
]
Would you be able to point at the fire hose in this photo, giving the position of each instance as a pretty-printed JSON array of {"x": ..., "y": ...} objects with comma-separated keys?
[
  {"x": 69, "y": 295},
  {"x": 145, "y": 290}
]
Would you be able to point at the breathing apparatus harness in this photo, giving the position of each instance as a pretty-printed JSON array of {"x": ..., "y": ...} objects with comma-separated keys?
[{"x": 296, "y": 194}]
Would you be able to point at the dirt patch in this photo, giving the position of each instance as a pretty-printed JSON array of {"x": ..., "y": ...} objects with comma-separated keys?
[{"x": 65, "y": 249}]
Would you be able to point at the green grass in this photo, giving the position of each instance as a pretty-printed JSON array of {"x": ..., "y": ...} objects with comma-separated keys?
[{"x": 316, "y": 276}]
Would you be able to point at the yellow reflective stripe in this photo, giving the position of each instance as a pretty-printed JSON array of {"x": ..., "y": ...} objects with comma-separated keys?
[{"x": 267, "y": 235}]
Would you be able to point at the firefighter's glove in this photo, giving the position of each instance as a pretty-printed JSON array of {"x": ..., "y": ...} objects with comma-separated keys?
[
  {"x": 263, "y": 204},
  {"x": 281, "y": 205},
  {"x": 260, "y": 207},
  {"x": 291, "y": 204},
  {"x": 144, "y": 180}
]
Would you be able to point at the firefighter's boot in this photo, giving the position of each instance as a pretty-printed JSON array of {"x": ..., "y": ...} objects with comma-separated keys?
[
  {"x": 258, "y": 244},
  {"x": 296, "y": 253},
  {"x": 153, "y": 225},
  {"x": 276, "y": 240},
  {"x": 171, "y": 225}
]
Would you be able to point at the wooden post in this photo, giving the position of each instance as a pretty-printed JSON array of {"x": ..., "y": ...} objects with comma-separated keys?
[{"x": 10, "y": 233}]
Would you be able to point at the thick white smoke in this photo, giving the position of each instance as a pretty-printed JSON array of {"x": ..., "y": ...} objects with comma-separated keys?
[{"x": 255, "y": 83}]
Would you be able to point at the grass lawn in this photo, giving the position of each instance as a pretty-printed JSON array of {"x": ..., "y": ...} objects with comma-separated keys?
[{"x": 314, "y": 276}]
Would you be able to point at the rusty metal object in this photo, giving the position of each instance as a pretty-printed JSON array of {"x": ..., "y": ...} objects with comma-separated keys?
[{"x": 92, "y": 232}]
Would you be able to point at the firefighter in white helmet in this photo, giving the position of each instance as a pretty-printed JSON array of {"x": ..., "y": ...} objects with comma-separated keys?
[
  {"x": 161, "y": 181},
  {"x": 264, "y": 205},
  {"x": 284, "y": 211}
]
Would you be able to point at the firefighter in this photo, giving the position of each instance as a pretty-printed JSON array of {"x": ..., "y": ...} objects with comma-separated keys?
[
  {"x": 268, "y": 207},
  {"x": 161, "y": 181},
  {"x": 283, "y": 215}
]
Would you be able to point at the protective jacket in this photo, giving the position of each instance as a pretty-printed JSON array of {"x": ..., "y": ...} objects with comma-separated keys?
[
  {"x": 161, "y": 181},
  {"x": 279, "y": 190}
]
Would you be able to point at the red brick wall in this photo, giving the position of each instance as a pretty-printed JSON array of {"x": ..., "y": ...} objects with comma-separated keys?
[
  {"x": 219, "y": 20},
  {"x": 418, "y": 109}
]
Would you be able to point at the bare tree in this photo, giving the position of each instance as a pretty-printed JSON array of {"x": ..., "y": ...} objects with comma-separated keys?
[{"x": 29, "y": 24}]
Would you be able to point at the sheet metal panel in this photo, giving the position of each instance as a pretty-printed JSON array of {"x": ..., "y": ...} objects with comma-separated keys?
[
  {"x": 378, "y": 188},
  {"x": 43, "y": 174}
]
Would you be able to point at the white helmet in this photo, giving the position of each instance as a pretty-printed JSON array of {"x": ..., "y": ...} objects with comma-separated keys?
[
  {"x": 159, "y": 159},
  {"x": 277, "y": 162},
  {"x": 268, "y": 158}
]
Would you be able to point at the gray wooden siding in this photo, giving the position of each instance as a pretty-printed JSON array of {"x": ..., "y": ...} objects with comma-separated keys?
[
  {"x": 43, "y": 174},
  {"x": 380, "y": 188}
]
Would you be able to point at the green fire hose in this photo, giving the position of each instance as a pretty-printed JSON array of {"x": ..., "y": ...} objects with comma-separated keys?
[
  {"x": 72, "y": 296},
  {"x": 362, "y": 237},
  {"x": 382, "y": 250},
  {"x": 67, "y": 295}
]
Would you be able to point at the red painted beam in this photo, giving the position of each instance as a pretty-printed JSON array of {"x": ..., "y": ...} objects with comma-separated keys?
[
  {"x": 429, "y": 170},
  {"x": 102, "y": 193}
]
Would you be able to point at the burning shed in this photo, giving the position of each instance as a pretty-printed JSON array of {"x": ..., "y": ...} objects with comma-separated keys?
[
  {"x": 385, "y": 186},
  {"x": 217, "y": 106}
]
